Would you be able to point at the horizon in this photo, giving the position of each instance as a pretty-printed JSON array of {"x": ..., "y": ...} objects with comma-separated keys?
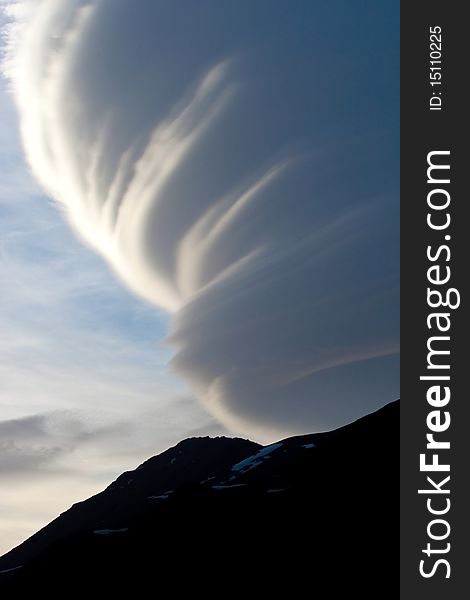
[{"x": 141, "y": 468}]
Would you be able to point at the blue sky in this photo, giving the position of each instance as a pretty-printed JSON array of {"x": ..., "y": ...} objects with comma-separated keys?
[
  {"x": 213, "y": 241},
  {"x": 85, "y": 390}
]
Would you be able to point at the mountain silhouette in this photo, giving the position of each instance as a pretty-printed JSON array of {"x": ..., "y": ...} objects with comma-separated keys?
[{"x": 226, "y": 515}]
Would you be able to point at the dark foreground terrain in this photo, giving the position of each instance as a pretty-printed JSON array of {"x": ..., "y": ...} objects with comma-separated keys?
[{"x": 310, "y": 515}]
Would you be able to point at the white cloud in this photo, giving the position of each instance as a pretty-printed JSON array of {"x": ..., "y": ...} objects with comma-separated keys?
[
  {"x": 85, "y": 391},
  {"x": 242, "y": 177}
]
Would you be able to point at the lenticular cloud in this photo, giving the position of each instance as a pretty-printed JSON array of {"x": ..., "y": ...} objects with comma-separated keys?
[{"x": 237, "y": 167}]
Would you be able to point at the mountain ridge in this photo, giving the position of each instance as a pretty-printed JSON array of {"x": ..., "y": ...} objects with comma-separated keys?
[{"x": 230, "y": 492}]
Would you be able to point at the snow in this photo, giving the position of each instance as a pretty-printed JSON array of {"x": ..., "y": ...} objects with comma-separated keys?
[
  {"x": 11, "y": 569},
  {"x": 161, "y": 497},
  {"x": 208, "y": 479},
  {"x": 110, "y": 531},
  {"x": 256, "y": 459},
  {"x": 308, "y": 446},
  {"x": 226, "y": 487},
  {"x": 275, "y": 490},
  {"x": 172, "y": 461}
]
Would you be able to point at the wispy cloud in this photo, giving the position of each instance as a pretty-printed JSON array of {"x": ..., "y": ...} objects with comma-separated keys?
[
  {"x": 85, "y": 390},
  {"x": 238, "y": 172},
  {"x": 234, "y": 184}
]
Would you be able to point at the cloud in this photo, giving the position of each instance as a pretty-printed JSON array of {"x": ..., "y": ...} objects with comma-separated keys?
[
  {"x": 38, "y": 444},
  {"x": 32, "y": 443},
  {"x": 46, "y": 464},
  {"x": 236, "y": 165},
  {"x": 84, "y": 388}
]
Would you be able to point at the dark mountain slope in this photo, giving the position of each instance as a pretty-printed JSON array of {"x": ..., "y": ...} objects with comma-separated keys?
[
  {"x": 221, "y": 515},
  {"x": 186, "y": 463}
]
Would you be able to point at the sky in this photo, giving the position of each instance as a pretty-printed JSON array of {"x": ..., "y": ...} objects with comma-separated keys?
[{"x": 199, "y": 231}]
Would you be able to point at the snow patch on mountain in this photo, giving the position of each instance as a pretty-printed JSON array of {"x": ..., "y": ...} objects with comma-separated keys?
[
  {"x": 110, "y": 531},
  {"x": 256, "y": 459}
]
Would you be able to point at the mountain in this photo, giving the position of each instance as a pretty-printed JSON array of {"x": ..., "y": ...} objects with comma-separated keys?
[{"x": 222, "y": 515}]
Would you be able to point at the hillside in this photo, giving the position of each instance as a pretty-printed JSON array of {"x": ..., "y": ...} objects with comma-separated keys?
[{"x": 311, "y": 510}]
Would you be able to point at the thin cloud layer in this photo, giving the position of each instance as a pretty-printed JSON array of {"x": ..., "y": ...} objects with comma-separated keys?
[
  {"x": 33, "y": 445},
  {"x": 236, "y": 164}
]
